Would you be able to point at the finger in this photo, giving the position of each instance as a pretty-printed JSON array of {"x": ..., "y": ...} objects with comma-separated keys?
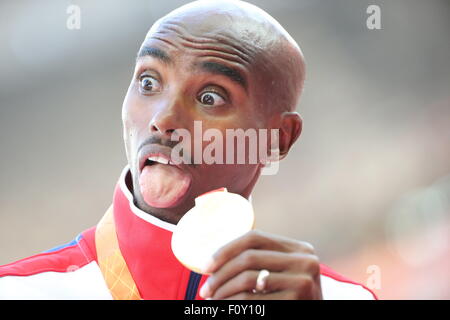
[
  {"x": 246, "y": 282},
  {"x": 255, "y": 240},
  {"x": 295, "y": 263}
]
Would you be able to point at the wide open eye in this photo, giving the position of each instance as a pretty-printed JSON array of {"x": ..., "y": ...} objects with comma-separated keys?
[
  {"x": 148, "y": 84},
  {"x": 212, "y": 99}
]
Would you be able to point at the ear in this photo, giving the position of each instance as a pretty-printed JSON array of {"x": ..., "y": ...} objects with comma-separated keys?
[{"x": 290, "y": 129}]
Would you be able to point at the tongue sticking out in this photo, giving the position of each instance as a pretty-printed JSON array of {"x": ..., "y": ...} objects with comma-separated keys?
[{"x": 162, "y": 185}]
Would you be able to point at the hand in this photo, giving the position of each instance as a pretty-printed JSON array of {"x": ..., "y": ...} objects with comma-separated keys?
[{"x": 293, "y": 266}]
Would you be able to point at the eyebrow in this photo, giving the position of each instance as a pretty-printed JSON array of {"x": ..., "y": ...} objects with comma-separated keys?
[
  {"x": 154, "y": 52},
  {"x": 208, "y": 66},
  {"x": 221, "y": 69}
]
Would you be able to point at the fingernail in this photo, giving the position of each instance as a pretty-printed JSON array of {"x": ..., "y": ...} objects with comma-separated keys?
[{"x": 205, "y": 291}]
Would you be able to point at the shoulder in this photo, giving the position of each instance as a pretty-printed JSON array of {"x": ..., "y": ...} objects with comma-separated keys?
[
  {"x": 64, "y": 258},
  {"x": 69, "y": 271},
  {"x": 338, "y": 287}
]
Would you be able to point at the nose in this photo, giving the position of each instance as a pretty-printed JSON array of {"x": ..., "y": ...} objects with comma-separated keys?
[
  {"x": 165, "y": 120},
  {"x": 158, "y": 125}
]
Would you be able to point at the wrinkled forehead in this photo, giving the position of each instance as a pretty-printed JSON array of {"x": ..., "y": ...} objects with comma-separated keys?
[{"x": 214, "y": 33}]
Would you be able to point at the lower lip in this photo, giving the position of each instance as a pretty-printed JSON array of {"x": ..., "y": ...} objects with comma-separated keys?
[{"x": 163, "y": 186}]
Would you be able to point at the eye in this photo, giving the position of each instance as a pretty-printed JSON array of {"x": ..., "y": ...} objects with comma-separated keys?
[
  {"x": 148, "y": 84},
  {"x": 211, "y": 99}
]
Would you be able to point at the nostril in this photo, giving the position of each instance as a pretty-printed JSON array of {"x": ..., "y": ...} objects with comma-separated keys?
[{"x": 161, "y": 127}]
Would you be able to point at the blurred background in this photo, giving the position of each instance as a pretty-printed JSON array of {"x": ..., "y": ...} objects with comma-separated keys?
[{"x": 368, "y": 183}]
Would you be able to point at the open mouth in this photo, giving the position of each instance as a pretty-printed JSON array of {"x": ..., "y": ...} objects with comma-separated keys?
[
  {"x": 157, "y": 159},
  {"x": 162, "y": 183},
  {"x": 153, "y": 158}
]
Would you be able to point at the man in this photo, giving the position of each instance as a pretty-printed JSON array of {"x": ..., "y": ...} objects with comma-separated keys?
[{"x": 227, "y": 65}]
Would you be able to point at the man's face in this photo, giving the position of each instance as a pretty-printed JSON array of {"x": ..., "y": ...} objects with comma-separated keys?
[{"x": 180, "y": 78}]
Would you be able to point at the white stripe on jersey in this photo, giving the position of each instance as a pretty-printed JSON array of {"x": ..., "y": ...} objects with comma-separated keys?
[{"x": 84, "y": 283}]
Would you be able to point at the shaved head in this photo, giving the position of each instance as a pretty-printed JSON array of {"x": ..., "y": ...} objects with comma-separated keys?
[
  {"x": 246, "y": 35},
  {"x": 227, "y": 65}
]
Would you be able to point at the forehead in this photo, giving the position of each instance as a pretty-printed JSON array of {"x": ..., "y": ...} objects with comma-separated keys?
[
  {"x": 206, "y": 30},
  {"x": 216, "y": 50}
]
